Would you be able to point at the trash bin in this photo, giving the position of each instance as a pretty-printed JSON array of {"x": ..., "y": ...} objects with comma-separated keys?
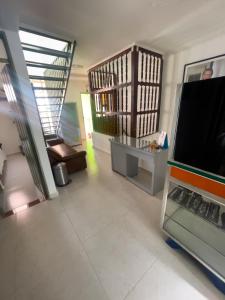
[{"x": 60, "y": 174}]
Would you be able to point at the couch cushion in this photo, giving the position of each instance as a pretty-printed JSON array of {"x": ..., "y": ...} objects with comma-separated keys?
[{"x": 64, "y": 151}]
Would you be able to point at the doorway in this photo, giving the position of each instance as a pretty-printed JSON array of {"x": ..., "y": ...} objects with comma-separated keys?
[{"x": 87, "y": 115}]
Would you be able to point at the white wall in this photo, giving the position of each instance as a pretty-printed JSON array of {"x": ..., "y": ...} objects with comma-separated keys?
[
  {"x": 75, "y": 88},
  {"x": 28, "y": 99},
  {"x": 9, "y": 136},
  {"x": 101, "y": 142},
  {"x": 173, "y": 74}
]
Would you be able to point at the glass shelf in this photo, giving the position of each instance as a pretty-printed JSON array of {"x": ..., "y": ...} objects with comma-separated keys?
[
  {"x": 198, "y": 223},
  {"x": 137, "y": 143}
]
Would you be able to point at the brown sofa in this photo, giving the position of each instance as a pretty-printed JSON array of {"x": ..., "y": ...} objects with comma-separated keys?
[{"x": 58, "y": 151}]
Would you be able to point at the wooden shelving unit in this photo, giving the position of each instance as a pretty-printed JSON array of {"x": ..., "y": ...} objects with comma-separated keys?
[{"x": 125, "y": 93}]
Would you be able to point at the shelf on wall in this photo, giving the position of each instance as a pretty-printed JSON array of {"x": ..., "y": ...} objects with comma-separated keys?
[
  {"x": 173, "y": 205},
  {"x": 197, "y": 190}
]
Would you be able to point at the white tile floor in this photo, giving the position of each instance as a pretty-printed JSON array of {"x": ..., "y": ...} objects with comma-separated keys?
[
  {"x": 19, "y": 185},
  {"x": 99, "y": 240}
]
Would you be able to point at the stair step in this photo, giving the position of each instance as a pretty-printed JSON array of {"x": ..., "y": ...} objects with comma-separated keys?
[
  {"x": 48, "y": 88},
  {"x": 49, "y": 122},
  {"x": 49, "y": 130},
  {"x": 44, "y": 121},
  {"x": 47, "y": 51},
  {"x": 47, "y": 133},
  {"x": 49, "y": 104},
  {"x": 49, "y": 97},
  {"x": 46, "y": 66},
  {"x": 51, "y": 116},
  {"x": 47, "y": 78},
  {"x": 48, "y": 111},
  {"x": 52, "y": 137},
  {"x": 55, "y": 73}
]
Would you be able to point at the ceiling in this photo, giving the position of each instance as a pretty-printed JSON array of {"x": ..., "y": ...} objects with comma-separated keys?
[{"x": 103, "y": 27}]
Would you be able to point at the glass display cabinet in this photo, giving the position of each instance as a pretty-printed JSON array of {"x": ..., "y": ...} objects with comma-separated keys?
[
  {"x": 193, "y": 212},
  {"x": 195, "y": 219}
]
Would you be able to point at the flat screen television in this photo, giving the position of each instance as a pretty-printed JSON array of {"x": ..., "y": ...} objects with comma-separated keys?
[{"x": 200, "y": 136}]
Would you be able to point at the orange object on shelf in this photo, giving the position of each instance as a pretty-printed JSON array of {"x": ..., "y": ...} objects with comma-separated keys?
[{"x": 198, "y": 181}]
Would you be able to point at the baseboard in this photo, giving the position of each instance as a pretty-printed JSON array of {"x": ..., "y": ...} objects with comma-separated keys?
[
  {"x": 53, "y": 195},
  {"x": 101, "y": 149}
]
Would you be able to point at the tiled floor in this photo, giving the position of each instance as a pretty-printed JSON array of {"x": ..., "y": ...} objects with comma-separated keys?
[
  {"x": 99, "y": 240},
  {"x": 19, "y": 185}
]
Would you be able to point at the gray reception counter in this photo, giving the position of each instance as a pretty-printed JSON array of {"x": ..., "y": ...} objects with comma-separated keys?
[{"x": 128, "y": 153}]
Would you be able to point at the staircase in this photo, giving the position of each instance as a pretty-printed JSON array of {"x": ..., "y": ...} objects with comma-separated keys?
[{"x": 48, "y": 62}]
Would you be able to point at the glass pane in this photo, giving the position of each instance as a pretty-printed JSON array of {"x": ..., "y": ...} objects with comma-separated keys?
[{"x": 197, "y": 222}]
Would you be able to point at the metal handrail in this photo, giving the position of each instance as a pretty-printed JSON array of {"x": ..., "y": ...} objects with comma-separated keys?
[{"x": 68, "y": 76}]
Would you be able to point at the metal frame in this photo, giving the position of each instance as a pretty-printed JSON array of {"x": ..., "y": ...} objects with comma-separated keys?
[
  {"x": 15, "y": 81},
  {"x": 134, "y": 90},
  {"x": 48, "y": 88},
  {"x": 46, "y": 66},
  {"x": 44, "y": 50},
  {"x": 46, "y": 78},
  {"x": 73, "y": 45},
  {"x": 199, "y": 61}
]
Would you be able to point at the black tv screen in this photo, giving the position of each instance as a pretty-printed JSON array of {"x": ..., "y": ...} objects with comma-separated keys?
[{"x": 200, "y": 137}]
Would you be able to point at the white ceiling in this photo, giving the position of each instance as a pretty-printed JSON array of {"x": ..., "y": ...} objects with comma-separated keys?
[{"x": 102, "y": 27}]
